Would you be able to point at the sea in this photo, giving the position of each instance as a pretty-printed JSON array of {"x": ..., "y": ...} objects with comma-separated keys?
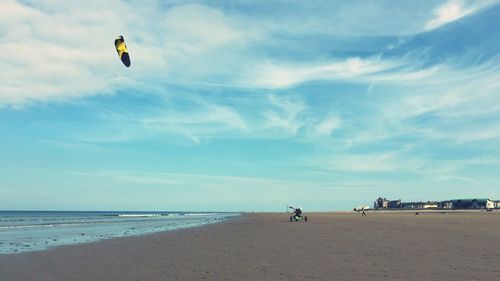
[{"x": 24, "y": 231}]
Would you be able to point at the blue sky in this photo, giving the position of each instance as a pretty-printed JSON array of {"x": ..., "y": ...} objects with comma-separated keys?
[{"x": 237, "y": 105}]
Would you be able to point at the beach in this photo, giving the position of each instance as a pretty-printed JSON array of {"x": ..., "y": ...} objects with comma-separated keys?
[{"x": 266, "y": 246}]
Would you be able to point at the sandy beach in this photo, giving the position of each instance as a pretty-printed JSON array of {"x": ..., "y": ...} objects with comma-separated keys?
[{"x": 330, "y": 246}]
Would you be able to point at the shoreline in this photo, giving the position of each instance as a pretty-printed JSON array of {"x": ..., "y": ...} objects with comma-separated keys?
[
  {"x": 55, "y": 248},
  {"x": 38, "y": 231},
  {"x": 265, "y": 246}
]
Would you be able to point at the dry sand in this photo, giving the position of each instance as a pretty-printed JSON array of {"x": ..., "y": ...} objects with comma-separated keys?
[{"x": 381, "y": 246}]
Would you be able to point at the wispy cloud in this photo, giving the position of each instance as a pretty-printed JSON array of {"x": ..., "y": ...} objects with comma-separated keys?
[
  {"x": 356, "y": 95},
  {"x": 454, "y": 10},
  {"x": 200, "y": 120},
  {"x": 57, "y": 51},
  {"x": 221, "y": 190},
  {"x": 326, "y": 127},
  {"x": 380, "y": 162},
  {"x": 285, "y": 114},
  {"x": 443, "y": 106},
  {"x": 403, "y": 167},
  {"x": 284, "y": 75},
  {"x": 51, "y": 56}
]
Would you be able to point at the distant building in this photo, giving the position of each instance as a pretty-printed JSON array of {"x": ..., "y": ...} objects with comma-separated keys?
[
  {"x": 430, "y": 205},
  {"x": 445, "y": 205},
  {"x": 478, "y": 203},
  {"x": 419, "y": 205},
  {"x": 394, "y": 204},
  {"x": 380, "y": 203},
  {"x": 412, "y": 205},
  {"x": 497, "y": 204}
]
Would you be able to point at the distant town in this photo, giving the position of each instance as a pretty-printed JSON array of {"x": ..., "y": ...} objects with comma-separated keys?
[{"x": 477, "y": 203}]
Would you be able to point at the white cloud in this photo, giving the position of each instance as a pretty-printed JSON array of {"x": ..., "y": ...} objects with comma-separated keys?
[
  {"x": 200, "y": 120},
  {"x": 407, "y": 76},
  {"x": 469, "y": 134},
  {"x": 454, "y": 10},
  {"x": 326, "y": 127},
  {"x": 220, "y": 189},
  {"x": 54, "y": 55},
  {"x": 375, "y": 162},
  {"x": 282, "y": 75},
  {"x": 197, "y": 28},
  {"x": 348, "y": 18},
  {"x": 285, "y": 115},
  {"x": 452, "y": 104},
  {"x": 59, "y": 50},
  {"x": 403, "y": 166}
]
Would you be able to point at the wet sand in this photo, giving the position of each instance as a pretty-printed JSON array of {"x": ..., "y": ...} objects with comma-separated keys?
[{"x": 330, "y": 246}]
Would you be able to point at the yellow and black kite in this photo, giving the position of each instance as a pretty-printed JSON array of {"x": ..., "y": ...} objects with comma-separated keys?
[{"x": 121, "y": 48}]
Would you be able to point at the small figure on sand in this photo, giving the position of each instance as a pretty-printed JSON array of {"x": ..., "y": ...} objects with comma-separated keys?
[{"x": 362, "y": 210}]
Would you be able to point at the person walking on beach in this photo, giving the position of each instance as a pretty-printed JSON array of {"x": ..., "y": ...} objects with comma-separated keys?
[{"x": 363, "y": 213}]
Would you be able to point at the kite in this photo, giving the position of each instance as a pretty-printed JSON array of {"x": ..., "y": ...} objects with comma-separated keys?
[{"x": 122, "y": 50}]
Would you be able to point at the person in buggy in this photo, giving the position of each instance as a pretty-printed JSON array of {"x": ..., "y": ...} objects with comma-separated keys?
[{"x": 297, "y": 214}]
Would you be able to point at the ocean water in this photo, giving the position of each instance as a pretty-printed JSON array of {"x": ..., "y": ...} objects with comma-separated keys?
[{"x": 22, "y": 231}]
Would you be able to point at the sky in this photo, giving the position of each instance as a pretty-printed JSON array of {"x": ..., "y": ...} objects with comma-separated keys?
[{"x": 247, "y": 105}]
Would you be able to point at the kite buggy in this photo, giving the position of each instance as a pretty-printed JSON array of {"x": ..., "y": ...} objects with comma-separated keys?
[{"x": 296, "y": 214}]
